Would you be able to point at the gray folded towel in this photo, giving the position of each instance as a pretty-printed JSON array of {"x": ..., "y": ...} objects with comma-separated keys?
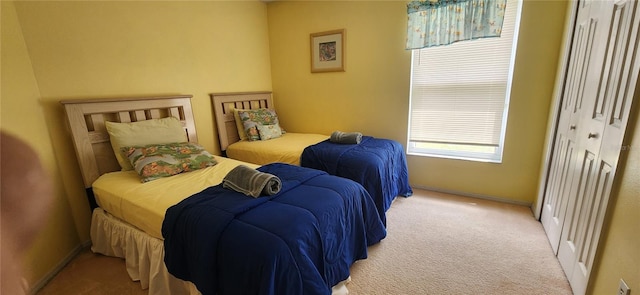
[
  {"x": 251, "y": 182},
  {"x": 346, "y": 137}
]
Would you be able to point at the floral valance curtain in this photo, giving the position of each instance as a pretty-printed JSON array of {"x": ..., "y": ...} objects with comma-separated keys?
[{"x": 441, "y": 22}]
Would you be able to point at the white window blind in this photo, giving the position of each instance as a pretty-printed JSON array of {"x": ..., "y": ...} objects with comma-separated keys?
[{"x": 460, "y": 95}]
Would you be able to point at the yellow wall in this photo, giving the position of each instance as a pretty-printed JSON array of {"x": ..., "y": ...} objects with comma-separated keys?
[
  {"x": 21, "y": 114},
  {"x": 84, "y": 49},
  {"x": 372, "y": 96},
  {"x": 67, "y": 50},
  {"x": 90, "y": 49}
]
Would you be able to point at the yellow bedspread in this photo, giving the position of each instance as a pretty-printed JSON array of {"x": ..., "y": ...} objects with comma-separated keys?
[
  {"x": 285, "y": 149},
  {"x": 143, "y": 205}
]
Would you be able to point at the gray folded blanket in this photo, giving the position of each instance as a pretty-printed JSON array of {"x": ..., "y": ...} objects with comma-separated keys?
[
  {"x": 346, "y": 137},
  {"x": 251, "y": 182}
]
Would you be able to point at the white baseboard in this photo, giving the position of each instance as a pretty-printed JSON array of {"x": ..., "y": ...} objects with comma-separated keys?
[
  {"x": 472, "y": 195},
  {"x": 49, "y": 276}
]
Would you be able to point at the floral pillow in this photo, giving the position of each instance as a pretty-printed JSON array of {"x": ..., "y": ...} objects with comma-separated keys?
[
  {"x": 269, "y": 131},
  {"x": 141, "y": 133},
  {"x": 252, "y": 118},
  {"x": 164, "y": 160}
]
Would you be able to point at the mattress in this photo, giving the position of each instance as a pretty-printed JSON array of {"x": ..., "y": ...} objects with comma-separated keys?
[
  {"x": 143, "y": 205},
  {"x": 285, "y": 149}
]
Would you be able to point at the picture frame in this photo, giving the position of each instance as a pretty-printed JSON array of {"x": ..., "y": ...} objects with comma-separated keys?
[{"x": 328, "y": 51}]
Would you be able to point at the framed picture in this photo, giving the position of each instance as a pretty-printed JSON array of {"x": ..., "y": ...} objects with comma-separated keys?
[{"x": 327, "y": 51}]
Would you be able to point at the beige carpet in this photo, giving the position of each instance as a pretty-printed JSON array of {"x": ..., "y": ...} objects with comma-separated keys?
[
  {"x": 442, "y": 244},
  {"x": 436, "y": 244}
]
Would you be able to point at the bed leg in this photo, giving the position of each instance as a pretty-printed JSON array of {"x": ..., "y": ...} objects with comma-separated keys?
[{"x": 92, "y": 199}]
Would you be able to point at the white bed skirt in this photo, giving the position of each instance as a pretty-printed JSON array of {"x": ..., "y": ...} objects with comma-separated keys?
[{"x": 144, "y": 256}]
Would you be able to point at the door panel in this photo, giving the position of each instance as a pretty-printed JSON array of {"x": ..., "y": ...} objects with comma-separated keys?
[
  {"x": 574, "y": 229},
  {"x": 605, "y": 102},
  {"x": 563, "y": 161},
  {"x": 555, "y": 204},
  {"x": 582, "y": 249}
]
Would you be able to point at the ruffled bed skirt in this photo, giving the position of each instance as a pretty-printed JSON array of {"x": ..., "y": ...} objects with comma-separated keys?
[{"x": 144, "y": 256}]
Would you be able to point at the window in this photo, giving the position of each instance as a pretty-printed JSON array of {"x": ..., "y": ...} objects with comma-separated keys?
[{"x": 460, "y": 95}]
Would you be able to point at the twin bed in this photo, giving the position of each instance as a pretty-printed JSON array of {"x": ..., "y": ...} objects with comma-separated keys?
[
  {"x": 379, "y": 165},
  {"x": 187, "y": 234}
]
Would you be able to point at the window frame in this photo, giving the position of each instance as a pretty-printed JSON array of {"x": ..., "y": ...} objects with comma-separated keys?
[{"x": 460, "y": 154}]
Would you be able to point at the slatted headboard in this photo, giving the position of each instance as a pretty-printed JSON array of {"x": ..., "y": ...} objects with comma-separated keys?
[
  {"x": 224, "y": 103},
  {"x": 90, "y": 138}
]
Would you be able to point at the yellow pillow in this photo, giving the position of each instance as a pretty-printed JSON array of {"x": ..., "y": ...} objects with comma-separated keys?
[
  {"x": 239, "y": 124},
  {"x": 141, "y": 133}
]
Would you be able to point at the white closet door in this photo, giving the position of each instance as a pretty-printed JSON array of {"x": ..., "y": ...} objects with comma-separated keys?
[
  {"x": 606, "y": 101},
  {"x": 561, "y": 171}
]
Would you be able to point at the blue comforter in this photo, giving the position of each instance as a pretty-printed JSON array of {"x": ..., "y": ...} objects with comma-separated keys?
[
  {"x": 380, "y": 165},
  {"x": 300, "y": 241}
]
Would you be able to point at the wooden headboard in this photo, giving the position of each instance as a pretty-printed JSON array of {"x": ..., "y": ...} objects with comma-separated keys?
[
  {"x": 224, "y": 103},
  {"x": 90, "y": 138}
]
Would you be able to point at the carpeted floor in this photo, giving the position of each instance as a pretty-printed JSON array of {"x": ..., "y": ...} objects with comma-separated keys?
[
  {"x": 442, "y": 244},
  {"x": 436, "y": 244}
]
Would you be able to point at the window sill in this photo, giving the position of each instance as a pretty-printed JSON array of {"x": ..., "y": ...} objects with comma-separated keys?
[{"x": 455, "y": 157}]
